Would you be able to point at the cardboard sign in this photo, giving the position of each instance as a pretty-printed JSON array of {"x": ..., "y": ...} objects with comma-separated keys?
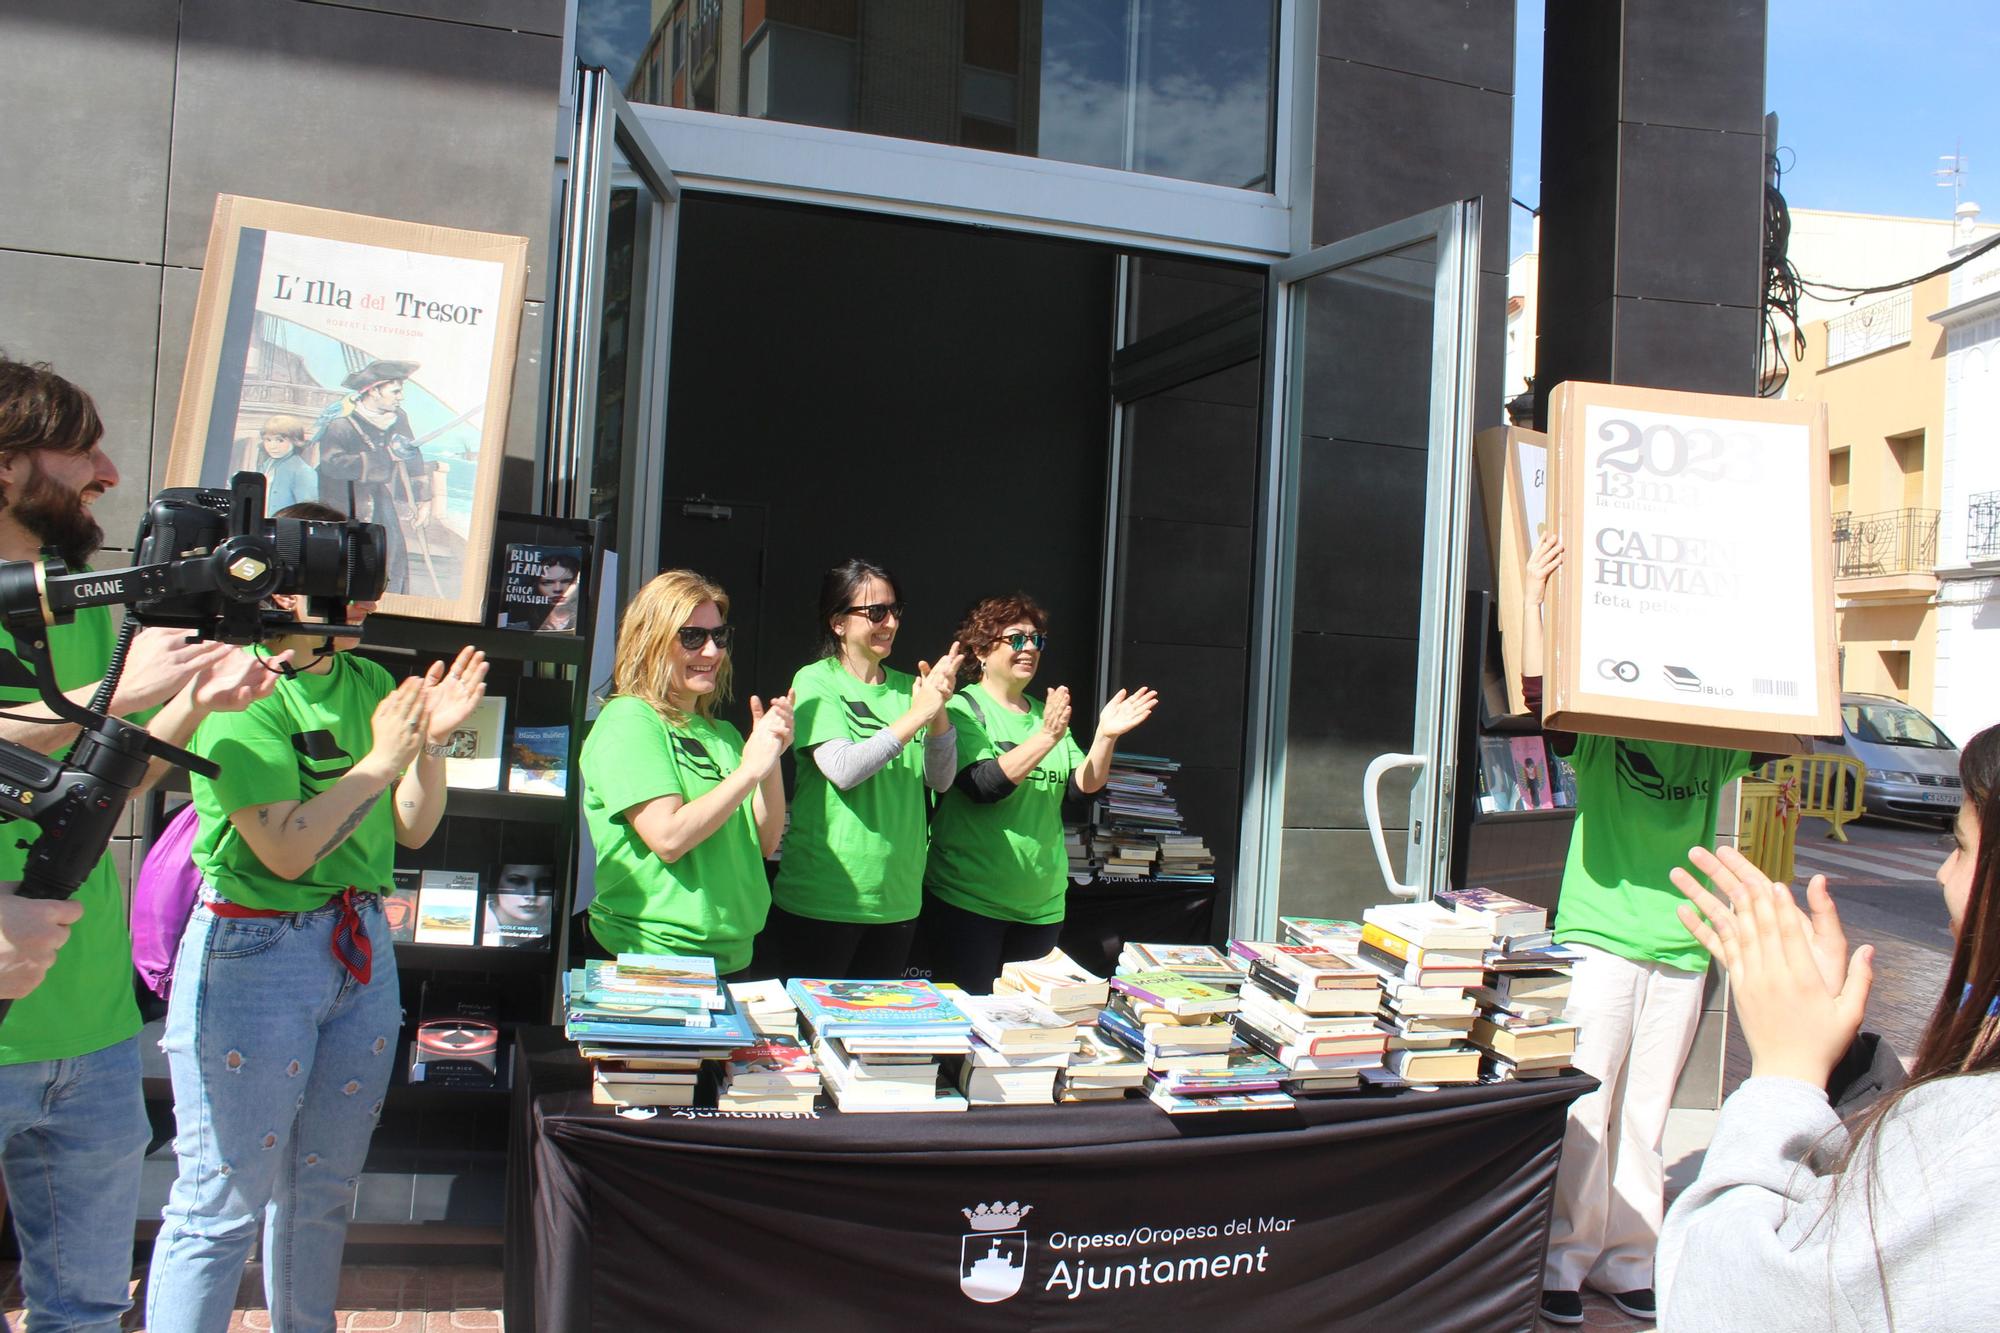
[
  {"x": 1695, "y": 598},
  {"x": 365, "y": 363},
  {"x": 1513, "y": 480}
]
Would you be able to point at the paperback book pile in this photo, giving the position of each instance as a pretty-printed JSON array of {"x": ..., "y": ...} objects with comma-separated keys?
[
  {"x": 646, "y": 1023},
  {"x": 1194, "y": 1061},
  {"x": 1083, "y": 863},
  {"x": 1019, "y": 1048},
  {"x": 769, "y": 1010},
  {"x": 1196, "y": 962},
  {"x": 880, "y": 1044},
  {"x": 1313, "y": 1011},
  {"x": 1057, "y": 981},
  {"x": 1137, "y": 828},
  {"x": 771, "y": 1074},
  {"x": 1519, "y": 1027},
  {"x": 1429, "y": 959},
  {"x": 1099, "y": 1070}
]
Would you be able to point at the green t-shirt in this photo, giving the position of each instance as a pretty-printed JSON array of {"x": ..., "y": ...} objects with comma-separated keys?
[
  {"x": 711, "y": 901},
  {"x": 1003, "y": 859},
  {"x": 855, "y": 855},
  {"x": 85, "y": 1002},
  {"x": 291, "y": 746},
  {"x": 1640, "y": 805}
]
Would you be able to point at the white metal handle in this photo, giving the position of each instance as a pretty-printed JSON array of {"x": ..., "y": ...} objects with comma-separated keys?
[{"x": 1371, "y": 806}]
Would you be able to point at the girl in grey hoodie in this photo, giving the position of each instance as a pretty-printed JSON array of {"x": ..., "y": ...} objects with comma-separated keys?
[{"x": 1798, "y": 1220}]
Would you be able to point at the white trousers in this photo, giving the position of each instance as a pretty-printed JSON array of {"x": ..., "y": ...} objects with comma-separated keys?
[{"x": 1637, "y": 1021}]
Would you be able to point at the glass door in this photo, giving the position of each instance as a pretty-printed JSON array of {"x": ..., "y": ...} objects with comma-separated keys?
[
  {"x": 613, "y": 306},
  {"x": 1355, "y": 716}
]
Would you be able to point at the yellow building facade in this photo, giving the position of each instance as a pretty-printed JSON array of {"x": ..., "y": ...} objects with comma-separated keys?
[{"x": 1880, "y": 369}]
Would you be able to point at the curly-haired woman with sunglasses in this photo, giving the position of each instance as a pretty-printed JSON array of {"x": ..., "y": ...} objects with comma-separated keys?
[
  {"x": 851, "y": 881},
  {"x": 681, "y": 808},
  {"x": 996, "y": 884}
]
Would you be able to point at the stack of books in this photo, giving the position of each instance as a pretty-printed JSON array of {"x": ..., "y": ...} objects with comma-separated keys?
[
  {"x": 1083, "y": 862},
  {"x": 1019, "y": 1048},
  {"x": 772, "y": 1074},
  {"x": 1197, "y": 962},
  {"x": 1132, "y": 814},
  {"x": 1313, "y": 1011},
  {"x": 1519, "y": 1028},
  {"x": 1322, "y": 932},
  {"x": 1241, "y": 1080},
  {"x": 880, "y": 1044},
  {"x": 1429, "y": 959},
  {"x": 1057, "y": 981},
  {"x": 770, "y": 1011},
  {"x": 1099, "y": 1070},
  {"x": 646, "y": 1023},
  {"x": 1185, "y": 859}
]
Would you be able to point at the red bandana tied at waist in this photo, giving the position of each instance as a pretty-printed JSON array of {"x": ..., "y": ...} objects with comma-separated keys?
[{"x": 350, "y": 938}]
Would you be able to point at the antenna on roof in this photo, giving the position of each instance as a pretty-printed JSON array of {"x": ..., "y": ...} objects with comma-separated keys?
[{"x": 1951, "y": 176}]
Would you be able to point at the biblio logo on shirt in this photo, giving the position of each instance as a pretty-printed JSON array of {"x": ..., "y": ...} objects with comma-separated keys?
[
  {"x": 861, "y": 719},
  {"x": 692, "y": 755},
  {"x": 993, "y": 1256},
  {"x": 1638, "y": 772}
]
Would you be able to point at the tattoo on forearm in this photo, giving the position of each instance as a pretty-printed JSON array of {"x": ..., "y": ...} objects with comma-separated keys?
[{"x": 347, "y": 826}]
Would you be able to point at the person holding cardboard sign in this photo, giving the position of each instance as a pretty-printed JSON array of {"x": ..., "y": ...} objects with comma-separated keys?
[{"x": 1636, "y": 992}]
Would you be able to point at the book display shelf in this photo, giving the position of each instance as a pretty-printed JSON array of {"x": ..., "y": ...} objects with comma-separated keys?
[{"x": 484, "y": 918}]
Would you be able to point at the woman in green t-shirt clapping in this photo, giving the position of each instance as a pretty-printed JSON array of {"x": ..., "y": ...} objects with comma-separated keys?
[
  {"x": 681, "y": 808},
  {"x": 996, "y": 880},
  {"x": 851, "y": 881}
]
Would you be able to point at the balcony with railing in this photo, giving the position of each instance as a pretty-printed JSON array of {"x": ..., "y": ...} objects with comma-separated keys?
[
  {"x": 1982, "y": 529},
  {"x": 1875, "y": 327},
  {"x": 1888, "y": 553}
]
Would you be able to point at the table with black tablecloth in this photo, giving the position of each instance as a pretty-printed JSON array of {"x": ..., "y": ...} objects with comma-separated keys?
[{"x": 1407, "y": 1210}]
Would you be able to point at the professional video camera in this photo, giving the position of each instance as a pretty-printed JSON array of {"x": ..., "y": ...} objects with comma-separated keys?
[{"x": 209, "y": 559}]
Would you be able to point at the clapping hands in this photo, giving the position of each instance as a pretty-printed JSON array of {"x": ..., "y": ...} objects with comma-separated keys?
[{"x": 770, "y": 733}]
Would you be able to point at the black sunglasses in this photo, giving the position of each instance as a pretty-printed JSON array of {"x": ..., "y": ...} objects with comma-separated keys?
[
  {"x": 1017, "y": 641},
  {"x": 692, "y": 637},
  {"x": 877, "y": 612}
]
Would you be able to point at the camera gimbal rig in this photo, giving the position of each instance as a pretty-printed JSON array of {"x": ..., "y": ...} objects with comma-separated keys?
[{"x": 210, "y": 560}]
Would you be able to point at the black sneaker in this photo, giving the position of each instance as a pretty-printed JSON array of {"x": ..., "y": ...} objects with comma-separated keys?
[
  {"x": 1639, "y": 1304},
  {"x": 1562, "y": 1307}
]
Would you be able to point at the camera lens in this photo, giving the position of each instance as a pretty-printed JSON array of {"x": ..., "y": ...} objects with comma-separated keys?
[{"x": 323, "y": 558}]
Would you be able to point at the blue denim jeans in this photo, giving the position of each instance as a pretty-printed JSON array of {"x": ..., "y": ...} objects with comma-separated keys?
[
  {"x": 74, "y": 1135},
  {"x": 280, "y": 1062}
]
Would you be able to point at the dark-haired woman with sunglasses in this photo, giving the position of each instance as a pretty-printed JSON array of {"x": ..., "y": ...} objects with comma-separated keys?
[
  {"x": 681, "y": 808},
  {"x": 996, "y": 884},
  {"x": 851, "y": 881}
]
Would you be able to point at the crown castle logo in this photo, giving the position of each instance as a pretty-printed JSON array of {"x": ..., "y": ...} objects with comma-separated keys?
[{"x": 993, "y": 1256}]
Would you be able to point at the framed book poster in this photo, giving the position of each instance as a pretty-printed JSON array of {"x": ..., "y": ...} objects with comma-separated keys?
[
  {"x": 364, "y": 363},
  {"x": 1695, "y": 598}
]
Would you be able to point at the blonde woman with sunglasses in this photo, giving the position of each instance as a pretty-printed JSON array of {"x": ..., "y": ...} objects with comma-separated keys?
[
  {"x": 681, "y": 807},
  {"x": 851, "y": 881}
]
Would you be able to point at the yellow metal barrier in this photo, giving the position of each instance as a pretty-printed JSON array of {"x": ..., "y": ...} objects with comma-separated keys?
[
  {"x": 1767, "y": 828},
  {"x": 1825, "y": 786}
]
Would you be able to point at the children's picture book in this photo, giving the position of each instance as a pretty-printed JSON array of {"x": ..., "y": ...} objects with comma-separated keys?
[
  {"x": 448, "y": 907},
  {"x": 399, "y": 906},
  {"x": 540, "y": 588},
  {"x": 837, "y": 1008},
  {"x": 1531, "y": 773},
  {"x": 1496, "y": 771},
  {"x": 538, "y": 761},
  {"x": 519, "y": 907},
  {"x": 473, "y": 759}
]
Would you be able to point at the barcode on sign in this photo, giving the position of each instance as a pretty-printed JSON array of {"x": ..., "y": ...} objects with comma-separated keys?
[{"x": 1777, "y": 689}]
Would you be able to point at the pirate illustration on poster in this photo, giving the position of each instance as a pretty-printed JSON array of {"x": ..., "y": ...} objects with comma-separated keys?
[{"x": 371, "y": 465}]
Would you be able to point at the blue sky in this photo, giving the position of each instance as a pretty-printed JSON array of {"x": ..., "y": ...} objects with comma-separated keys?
[{"x": 1868, "y": 94}]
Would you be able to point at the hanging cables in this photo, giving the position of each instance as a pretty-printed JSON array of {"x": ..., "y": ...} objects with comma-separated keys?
[
  {"x": 1782, "y": 288},
  {"x": 1838, "y": 292}
]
